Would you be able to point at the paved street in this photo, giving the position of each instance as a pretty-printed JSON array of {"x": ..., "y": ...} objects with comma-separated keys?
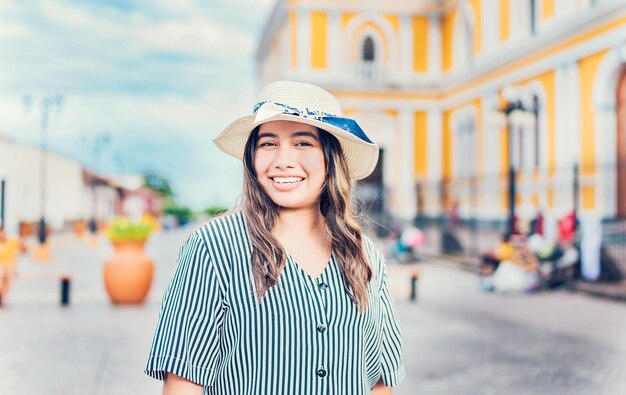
[{"x": 457, "y": 339}]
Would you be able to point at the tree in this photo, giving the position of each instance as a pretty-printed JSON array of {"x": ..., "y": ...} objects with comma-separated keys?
[{"x": 158, "y": 183}]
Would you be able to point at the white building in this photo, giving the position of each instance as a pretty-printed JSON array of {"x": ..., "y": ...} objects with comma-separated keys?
[{"x": 68, "y": 195}]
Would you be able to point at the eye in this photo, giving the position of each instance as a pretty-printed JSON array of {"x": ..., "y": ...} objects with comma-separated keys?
[
  {"x": 267, "y": 144},
  {"x": 303, "y": 144}
]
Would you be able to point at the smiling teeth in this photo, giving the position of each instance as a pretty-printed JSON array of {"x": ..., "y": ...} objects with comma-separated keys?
[{"x": 287, "y": 180}]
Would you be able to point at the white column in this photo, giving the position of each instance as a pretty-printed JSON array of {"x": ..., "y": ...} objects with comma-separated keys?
[
  {"x": 285, "y": 47},
  {"x": 573, "y": 130},
  {"x": 406, "y": 204},
  {"x": 490, "y": 25},
  {"x": 434, "y": 46},
  {"x": 334, "y": 34},
  {"x": 304, "y": 43},
  {"x": 433, "y": 159},
  {"x": 406, "y": 43}
]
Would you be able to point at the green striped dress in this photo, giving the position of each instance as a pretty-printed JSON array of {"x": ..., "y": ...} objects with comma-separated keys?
[{"x": 305, "y": 337}]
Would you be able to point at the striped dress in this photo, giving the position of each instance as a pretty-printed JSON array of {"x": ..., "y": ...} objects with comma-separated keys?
[{"x": 305, "y": 337}]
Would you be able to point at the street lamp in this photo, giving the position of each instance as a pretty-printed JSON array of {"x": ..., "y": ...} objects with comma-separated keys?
[
  {"x": 48, "y": 105},
  {"x": 98, "y": 142},
  {"x": 513, "y": 108}
]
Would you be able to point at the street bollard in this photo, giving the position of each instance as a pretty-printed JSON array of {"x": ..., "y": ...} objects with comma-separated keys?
[
  {"x": 65, "y": 290},
  {"x": 414, "y": 277}
]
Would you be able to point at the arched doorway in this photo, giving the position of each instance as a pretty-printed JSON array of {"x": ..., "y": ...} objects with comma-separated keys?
[
  {"x": 621, "y": 144},
  {"x": 369, "y": 54}
]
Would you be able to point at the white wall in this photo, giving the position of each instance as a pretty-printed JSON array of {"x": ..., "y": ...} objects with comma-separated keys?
[{"x": 67, "y": 197}]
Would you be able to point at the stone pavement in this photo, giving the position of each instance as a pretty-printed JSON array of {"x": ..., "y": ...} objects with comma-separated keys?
[{"x": 457, "y": 339}]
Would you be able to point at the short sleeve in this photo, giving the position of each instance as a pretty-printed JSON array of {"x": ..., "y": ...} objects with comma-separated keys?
[
  {"x": 392, "y": 368},
  {"x": 186, "y": 339}
]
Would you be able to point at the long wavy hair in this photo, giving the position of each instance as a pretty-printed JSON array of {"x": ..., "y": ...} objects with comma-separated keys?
[{"x": 268, "y": 256}]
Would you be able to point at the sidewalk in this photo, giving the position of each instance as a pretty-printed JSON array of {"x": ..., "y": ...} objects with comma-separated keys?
[{"x": 615, "y": 291}]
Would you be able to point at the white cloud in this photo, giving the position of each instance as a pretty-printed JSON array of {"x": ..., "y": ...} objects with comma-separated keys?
[
  {"x": 200, "y": 35},
  {"x": 163, "y": 78}
]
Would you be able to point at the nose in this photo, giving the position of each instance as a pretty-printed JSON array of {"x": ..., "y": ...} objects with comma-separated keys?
[{"x": 285, "y": 157}]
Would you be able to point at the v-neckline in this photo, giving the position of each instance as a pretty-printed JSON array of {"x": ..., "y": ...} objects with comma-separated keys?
[{"x": 301, "y": 270}]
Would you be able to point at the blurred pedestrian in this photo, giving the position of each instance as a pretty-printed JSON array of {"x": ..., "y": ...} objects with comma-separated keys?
[
  {"x": 284, "y": 295},
  {"x": 9, "y": 249},
  {"x": 491, "y": 259},
  {"x": 536, "y": 224}
]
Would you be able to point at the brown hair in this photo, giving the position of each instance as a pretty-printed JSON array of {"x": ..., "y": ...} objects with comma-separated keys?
[{"x": 336, "y": 205}]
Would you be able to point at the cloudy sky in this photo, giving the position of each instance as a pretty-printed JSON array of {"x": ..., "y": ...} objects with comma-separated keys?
[{"x": 161, "y": 78}]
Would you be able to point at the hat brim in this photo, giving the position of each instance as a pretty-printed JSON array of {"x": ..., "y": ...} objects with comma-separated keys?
[{"x": 361, "y": 156}]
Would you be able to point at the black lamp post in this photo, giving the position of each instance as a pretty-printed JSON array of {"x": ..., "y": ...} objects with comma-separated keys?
[
  {"x": 99, "y": 141},
  {"x": 48, "y": 104},
  {"x": 513, "y": 104}
]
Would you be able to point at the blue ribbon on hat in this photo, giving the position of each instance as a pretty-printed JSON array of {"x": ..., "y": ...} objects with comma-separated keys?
[{"x": 268, "y": 109}]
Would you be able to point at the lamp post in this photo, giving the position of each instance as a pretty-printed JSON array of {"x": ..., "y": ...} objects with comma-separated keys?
[
  {"x": 513, "y": 105},
  {"x": 99, "y": 141},
  {"x": 49, "y": 104}
]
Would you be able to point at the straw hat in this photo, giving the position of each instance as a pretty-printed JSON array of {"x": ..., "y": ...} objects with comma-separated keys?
[{"x": 309, "y": 104}]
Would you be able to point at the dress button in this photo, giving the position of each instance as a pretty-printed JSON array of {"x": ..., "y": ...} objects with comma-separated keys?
[
  {"x": 321, "y": 328},
  {"x": 321, "y": 372},
  {"x": 323, "y": 286}
]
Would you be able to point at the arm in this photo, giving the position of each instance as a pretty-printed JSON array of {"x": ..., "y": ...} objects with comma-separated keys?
[
  {"x": 381, "y": 389},
  {"x": 176, "y": 385}
]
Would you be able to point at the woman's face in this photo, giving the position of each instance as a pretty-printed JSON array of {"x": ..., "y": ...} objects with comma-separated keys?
[{"x": 289, "y": 163}]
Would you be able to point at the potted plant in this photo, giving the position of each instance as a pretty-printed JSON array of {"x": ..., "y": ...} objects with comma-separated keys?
[{"x": 128, "y": 274}]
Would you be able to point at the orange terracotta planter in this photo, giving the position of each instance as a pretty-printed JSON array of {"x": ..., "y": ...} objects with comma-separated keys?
[{"x": 128, "y": 274}]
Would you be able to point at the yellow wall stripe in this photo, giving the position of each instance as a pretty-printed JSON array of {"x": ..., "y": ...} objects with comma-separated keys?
[
  {"x": 346, "y": 17},
  {"x": 477, "y": 25},
  {"x": 393, "y": 21},
  {"x": 420, "y": 142},
  {"x": 547, "y": 10},
  {"x": 447, "y": 28},
  {"x": 293, "y": 24},
  {"x": 504, "y": 20},
  {"x": 587, "y": 72},
  {"x": 319, "y": 33},
  {"x": 420, "y": 44}
]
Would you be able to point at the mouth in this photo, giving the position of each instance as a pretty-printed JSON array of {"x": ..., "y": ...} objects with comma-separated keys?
[{"x": 287, "y": 180}]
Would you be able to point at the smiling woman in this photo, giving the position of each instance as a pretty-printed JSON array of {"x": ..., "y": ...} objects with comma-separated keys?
[
  {"x": 284, "y": 294},
  {"x": 289, "y": 163}
]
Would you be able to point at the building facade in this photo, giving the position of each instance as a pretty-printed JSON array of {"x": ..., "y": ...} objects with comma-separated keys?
[
  {"x": 429, "y": 81},
  {"x": 64, "y": 191}
]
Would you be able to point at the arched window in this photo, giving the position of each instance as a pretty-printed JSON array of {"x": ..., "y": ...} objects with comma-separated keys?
[{"x": 369, "y": 53}]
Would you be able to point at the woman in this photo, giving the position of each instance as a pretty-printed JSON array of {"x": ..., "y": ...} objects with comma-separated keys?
[
  {"x": 9, "y": 248},
  {"x": 285, "y": 295}
]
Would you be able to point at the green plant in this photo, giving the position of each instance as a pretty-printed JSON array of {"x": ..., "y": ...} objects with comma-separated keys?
[
  {"x": 215, "y": 210},
  {"x": 123, "y": 229}
]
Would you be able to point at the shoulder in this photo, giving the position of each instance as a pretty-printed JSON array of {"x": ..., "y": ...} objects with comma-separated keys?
[
  {"x": 228, "y": 228},
  {"x": 371, "y": 250},
  {"x": 374, "y": 256}
]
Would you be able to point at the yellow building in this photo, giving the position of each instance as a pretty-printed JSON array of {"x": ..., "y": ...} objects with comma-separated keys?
[{"x": 428, "y": 80}]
